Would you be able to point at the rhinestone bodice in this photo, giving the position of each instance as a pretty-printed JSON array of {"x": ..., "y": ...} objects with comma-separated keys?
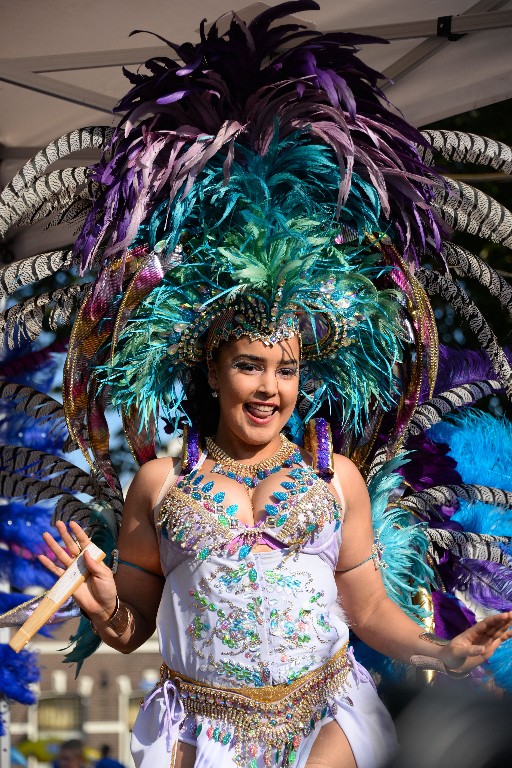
[{"x": 305, "y": 515}]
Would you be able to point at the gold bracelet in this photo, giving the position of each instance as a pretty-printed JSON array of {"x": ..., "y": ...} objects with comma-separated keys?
[
  {"x": 432, "y": 664},
  {"x": 435, "y": 665},
  {"x": 119, "y": 621}
]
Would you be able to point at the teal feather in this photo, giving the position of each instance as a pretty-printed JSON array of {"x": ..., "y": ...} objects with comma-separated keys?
[
  {"x": 500, "y": 665},
  {"x": 272, "y": 227},
  {"x": 404, "y": 562},
  {"x": 85, "y": 641},
  {"x": 144, "y": 373},
  {"x": 405, "y": 543}
]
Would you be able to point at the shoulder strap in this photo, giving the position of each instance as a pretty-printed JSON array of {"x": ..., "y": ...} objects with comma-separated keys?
[
  {"x": 339, "y": 490},
  {"x": 170, "y": 479}
]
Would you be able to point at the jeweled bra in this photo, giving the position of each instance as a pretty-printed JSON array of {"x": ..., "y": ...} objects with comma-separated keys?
[{"x": 197, "y": 520}]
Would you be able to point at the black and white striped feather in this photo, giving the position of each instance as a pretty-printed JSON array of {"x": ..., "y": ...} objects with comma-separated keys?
[
  {"x": 461, "y": 147},
  {"x": 433, "y": 282},
  {"x": 68, "y": 508},
  {"x": 54, "y": 190},
  {"x": 91, "y": 137},
  {"x": 476, "y": 546},
  {"x": 426, "y": 503},
  {"x": 470, "y": 210},
  {"x": 380, "y": 458},
  {"x": 23, "y": 322},
  {"x": 433, "y": 411},
  {"x": 43, "y": 408},
  {"x": 29, "y": 489},
  {"x": 32, "y": 270},
  {"x": 76, "y": 211},
  {"x": 466, "y": 263},
  {"x": 31, "y": 464}
]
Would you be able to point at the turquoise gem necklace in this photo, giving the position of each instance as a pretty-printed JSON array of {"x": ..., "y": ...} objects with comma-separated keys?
[{"x": 250, "y": 475}]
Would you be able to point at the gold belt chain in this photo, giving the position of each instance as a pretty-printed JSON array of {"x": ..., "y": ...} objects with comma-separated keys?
[{"x": 273, "y": 715}]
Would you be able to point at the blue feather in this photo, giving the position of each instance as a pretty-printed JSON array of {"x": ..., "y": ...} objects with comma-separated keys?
[
  {"x": 404, "y": 558},
  {"x": 500, "y": 665},
  {"x": 478, "y": 517},
  {"x": 18, "y": 671},
  {"x": 476, "y": 433}
]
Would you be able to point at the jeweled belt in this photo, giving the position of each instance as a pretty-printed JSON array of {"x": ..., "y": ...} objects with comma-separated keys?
[{"x": 274, "y": 715}]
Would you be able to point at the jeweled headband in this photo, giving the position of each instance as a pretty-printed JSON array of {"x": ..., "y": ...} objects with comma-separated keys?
[{"x": 236, "y": 322}]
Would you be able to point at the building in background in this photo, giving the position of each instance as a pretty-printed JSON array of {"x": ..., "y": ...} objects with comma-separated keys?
[{"x": 98, "y": 707}]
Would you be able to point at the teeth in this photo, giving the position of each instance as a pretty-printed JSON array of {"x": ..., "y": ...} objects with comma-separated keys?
[{"x": 262, "y": 408}]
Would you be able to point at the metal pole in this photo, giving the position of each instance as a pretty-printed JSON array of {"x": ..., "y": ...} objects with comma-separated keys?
[{"x": 5, "y": 741}]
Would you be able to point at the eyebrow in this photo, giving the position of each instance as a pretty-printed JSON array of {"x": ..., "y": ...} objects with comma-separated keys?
[{"x": 256, "y": 359}]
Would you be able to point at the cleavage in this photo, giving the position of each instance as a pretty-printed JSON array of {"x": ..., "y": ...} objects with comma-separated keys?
[{"x": 270, "y": 497}]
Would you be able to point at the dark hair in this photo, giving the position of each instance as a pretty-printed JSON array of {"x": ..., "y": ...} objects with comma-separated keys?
[{"x": 200, "y": 406}]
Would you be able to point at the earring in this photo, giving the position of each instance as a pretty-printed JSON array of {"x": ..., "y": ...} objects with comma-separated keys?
[{"x": 215, "y": 393}]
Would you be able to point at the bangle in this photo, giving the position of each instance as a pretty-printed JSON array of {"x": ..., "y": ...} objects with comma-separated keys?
[
  {"x": 436, "y": 665},
  {"x": 119, "y": 621},
  {"x": 434, "y": 639}
]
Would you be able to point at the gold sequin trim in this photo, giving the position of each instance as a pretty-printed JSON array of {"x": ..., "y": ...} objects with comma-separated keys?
[{"x": 272, "y": 715}]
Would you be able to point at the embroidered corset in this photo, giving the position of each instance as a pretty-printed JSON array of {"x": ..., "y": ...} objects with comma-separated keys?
[
  {"x": 306, "y": 516},
  {"x": 235, "y": 616}
]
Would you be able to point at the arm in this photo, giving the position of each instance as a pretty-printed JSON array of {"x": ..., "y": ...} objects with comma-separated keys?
[
  {"x": 139, "y": 590},
  {"x": 373, "y": 616}
]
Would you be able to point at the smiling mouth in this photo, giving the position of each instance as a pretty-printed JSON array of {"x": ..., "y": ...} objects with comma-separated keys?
[{"x": 259, "y": 411}]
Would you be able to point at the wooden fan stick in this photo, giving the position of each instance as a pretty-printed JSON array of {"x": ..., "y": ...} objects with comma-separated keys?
[{"x": 70, "y": 580}]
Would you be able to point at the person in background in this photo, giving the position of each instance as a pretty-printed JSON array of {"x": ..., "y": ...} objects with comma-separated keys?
[
  {"x": 106, "y": 761},
  {"x": 71, "y": 754}
]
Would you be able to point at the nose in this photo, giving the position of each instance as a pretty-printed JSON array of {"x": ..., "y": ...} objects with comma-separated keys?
[{"x": 267, "y": 384}]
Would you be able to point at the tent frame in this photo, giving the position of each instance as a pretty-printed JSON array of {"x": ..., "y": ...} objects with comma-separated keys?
[{"x": 29, "y": 72}]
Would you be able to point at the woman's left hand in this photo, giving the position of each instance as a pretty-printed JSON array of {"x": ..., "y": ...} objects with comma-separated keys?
[{"x": 477, "y": 644}]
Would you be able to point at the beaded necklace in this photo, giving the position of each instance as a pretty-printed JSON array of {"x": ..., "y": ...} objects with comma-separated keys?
[{"x": 250, "y": 475}]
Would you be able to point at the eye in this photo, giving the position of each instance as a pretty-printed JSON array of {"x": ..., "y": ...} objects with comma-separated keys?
[
  {"x": 288, "y": 373},
  {"x": 247, "y": 367}
]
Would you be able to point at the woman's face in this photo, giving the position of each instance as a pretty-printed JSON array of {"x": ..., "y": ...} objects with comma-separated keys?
[{"x": 257, "y": 386}]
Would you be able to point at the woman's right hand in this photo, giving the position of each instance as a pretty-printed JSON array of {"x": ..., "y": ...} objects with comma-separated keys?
[{"x": 97, "y": 595}]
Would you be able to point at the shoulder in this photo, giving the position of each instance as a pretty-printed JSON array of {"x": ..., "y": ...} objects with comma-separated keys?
[
  {"x": 148, "y": 480},
  {"x": 345, "y": 468},
  {"x": 350, "y": 479}
]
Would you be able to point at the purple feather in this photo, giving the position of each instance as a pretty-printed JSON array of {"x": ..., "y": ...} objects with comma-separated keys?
[
  {"x": 21, "y": 368},
  {"x": 461, "y": 366},
  {"x": 450, "y": 615},
  {"x": 489, "y": 584},
  {"x": 429, "y": 464},
  {"x": 318, "y": 86}
]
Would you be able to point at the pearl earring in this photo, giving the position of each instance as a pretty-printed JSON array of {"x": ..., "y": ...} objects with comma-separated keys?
[{"x": 215, "y": 393}]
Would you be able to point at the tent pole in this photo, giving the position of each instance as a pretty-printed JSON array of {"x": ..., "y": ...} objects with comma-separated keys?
[{"x": 5, "y": 714}]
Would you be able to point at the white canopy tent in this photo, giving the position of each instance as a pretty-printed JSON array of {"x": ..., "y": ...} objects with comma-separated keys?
[{"x": 60, "y": 62}]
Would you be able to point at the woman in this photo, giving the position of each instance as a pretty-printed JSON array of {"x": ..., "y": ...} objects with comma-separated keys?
[{"x": 259, "y": 608}]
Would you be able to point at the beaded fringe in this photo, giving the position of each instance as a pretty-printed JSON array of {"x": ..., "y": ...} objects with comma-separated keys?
[{"x": 274, "y": 718}]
